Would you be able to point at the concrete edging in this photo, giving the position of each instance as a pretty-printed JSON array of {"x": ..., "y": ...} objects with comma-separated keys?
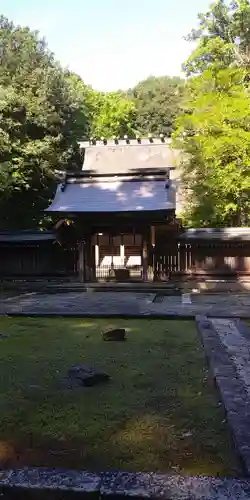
[
  {"x": 232, "y": 389},
  {"x": 166, "y": 316}
]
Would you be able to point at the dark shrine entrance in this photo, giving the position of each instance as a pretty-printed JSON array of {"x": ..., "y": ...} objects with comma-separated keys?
[
  {"x": 114, "y": 251},
  {"x": 118, "y": 257},
  {"x": 124, "y": 251}
]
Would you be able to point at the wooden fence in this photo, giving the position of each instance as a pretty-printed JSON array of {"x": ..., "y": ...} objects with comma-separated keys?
[
  {"x": 37, "y": 260},
  {"x": 210, "y": 259},
  {"x": 180, "y": 258}
]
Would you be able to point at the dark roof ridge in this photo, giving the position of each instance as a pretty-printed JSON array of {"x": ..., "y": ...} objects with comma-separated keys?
[{"x": 126, "y": 141}]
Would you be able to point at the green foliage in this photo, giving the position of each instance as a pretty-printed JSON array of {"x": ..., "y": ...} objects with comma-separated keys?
[
  {"x": 101, "y": 114},
  {"x": 83, "y": 97},
  {"x": 157, "y": 102},
  {"x": 223, "y": 37},
  {"x": 39, "y": 115},
  {"x": 113, "y": 115},
  {"x": 215, "y": 136},
  {"x": 214, "y": 131},
  {"x": 45, "y": 110}
]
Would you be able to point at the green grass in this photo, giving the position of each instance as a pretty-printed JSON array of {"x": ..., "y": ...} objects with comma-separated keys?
[{"x": 158, "y": 413}]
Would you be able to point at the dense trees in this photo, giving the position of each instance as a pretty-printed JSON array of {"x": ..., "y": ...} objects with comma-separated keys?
[
  {"x": 222, "y": 36},
  {"x": 45, "y": 110},
  {"x": 114, "y": 116},
  {"x": 214, "y": 131},
  {"x": 38, "y": 112},
  {"x": 216, "y": 138},
  {"x": 157, "y": 103}
]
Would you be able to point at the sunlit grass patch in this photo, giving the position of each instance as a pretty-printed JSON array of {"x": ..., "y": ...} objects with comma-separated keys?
[{"x": 157, "y": 413}]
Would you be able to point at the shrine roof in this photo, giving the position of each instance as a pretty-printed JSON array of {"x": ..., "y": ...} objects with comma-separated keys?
[
  {"x": 120, "y": 194},
  {"x": 128, "y": 156}
]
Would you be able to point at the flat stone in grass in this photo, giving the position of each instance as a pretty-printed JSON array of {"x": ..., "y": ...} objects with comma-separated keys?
[
  {"x": 85, "y": 376},
  {"x": 114, "y": 334}
]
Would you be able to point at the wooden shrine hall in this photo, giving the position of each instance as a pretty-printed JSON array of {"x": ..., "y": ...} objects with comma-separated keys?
[{"x": 119, "y": 208}]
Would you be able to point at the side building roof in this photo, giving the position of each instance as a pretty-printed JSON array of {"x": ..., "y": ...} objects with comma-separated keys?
[
  {"x": 217, "y": 234},
  {"x": 25, "y": 236}
]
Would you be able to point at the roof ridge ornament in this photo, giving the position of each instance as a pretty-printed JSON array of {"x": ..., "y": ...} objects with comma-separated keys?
[{"x": 126, "y": 140}]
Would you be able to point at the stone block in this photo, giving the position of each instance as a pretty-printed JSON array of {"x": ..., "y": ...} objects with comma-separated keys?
[
  {"x": 114, "y": 334},
  {"x": 82, "y": 375}
]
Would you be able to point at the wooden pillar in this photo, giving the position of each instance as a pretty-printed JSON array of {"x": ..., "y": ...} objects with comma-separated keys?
[
  {"x": 144, "y": 260},
  {"x": 97, "y": 255},
  {"x": 122, "y": 254},
  {"x": 81, "y": 261},
  {"x": 153, "y": 236},
  {"x": 88, "y": 261},
  {"x": 92, "y": 264}
]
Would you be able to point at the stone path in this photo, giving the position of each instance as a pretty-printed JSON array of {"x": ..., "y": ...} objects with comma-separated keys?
[
  {"x": 126, "y": 303},
  {"x": 121, "y": 484},
  {"x": 227, "y": 345}
]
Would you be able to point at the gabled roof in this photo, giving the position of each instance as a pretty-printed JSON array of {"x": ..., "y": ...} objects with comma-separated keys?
[
  {"x": 120, "y": 176},
  {"x": 128, "y": 156},
  {"x": 120, "y": 194}
]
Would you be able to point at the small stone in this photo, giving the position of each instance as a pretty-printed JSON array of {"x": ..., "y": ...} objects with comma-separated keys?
[
  {"x": 114, "y": 334},
  {"x": 82, "y": 375}
]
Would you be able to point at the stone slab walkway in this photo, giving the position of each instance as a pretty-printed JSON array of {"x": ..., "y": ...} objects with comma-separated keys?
[
  {"x": 126, "y": 304},
  {"x": 121, "y": 484},
  {"x": 227, "y": 345}
]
